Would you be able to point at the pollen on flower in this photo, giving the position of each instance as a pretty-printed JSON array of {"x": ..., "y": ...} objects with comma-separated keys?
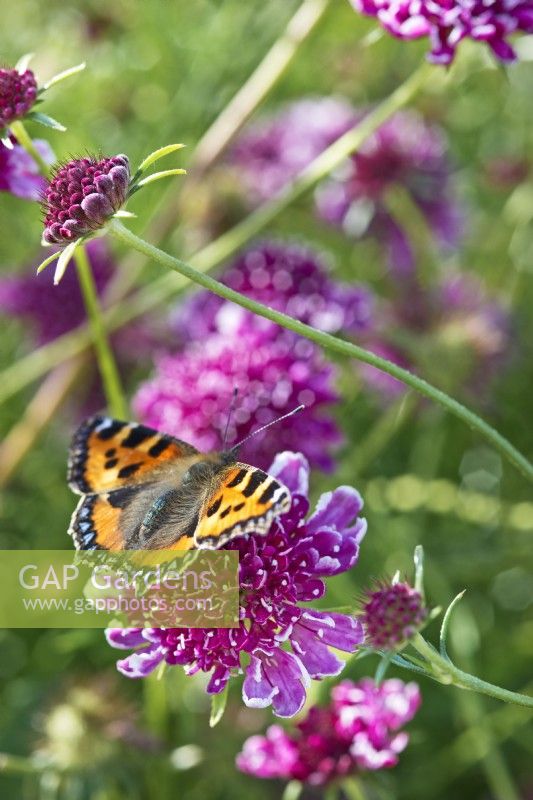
[
  {"x": 392, "y": 613},
  {"x": 82, "y": 196},
  {"x": 18, "y": 92}
]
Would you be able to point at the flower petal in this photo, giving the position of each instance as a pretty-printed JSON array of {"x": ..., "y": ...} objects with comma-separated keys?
[
  {"x": 142, "y": 662},
  {"x": 292, "y": 469}
]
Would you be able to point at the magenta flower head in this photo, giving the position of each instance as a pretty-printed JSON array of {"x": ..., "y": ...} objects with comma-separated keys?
[
  {"x": 391, "y": 615},
  {"x": 359, "y": 731},
  {"x": 274, "y": 371},
  {"x": 448, "y": 22},
  {"x": 18, "y": 93},
  {"x": 289, "y": 277},
  {"x": 19, "y": 174},
  {"x": 85, "y": 194},
  {"x": 280, "y": 644}
]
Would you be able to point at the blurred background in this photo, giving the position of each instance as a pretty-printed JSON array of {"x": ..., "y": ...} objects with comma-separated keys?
[{"x": 423, "y": 247}]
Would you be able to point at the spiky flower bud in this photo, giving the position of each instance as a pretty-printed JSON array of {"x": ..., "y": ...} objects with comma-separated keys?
[
  {"x": 392, "y": 614},
  {"x": 18, "y": 92},
  {"x": 83, "y": 195}
]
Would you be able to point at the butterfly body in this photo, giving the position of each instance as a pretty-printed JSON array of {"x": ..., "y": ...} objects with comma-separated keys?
[{"x": 142, "y": 489}]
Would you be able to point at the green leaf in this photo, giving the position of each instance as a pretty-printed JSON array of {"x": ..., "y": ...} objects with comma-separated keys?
[
  {"x": 446, "y": 624},
  {"x": 157, "y": 154},
  {"x": 218, "y": 706},
  {"x": 48, "y": 260},
  {"x": 166, "y": 173},
  {"x": 22, "y": 64},
  {"x": 65, "y": 74},
  {"x": 123, "y": 214},
  {"x": 419, "y": 569},
  {"x": 63, "y": 260},
  {"x": 292, "y": 790},
  {"x": 43, "y": 119}
]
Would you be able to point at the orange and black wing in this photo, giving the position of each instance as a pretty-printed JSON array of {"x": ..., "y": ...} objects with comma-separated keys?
[
  {"x": 244, "y": 500},
  {"x": 107, "y": 454}
]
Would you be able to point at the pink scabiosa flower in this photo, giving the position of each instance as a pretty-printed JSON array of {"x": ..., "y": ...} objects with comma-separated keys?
[
  {"x": 408, "y": 152},
  {"x": 391, "y": 615},
  {"x": 358, "y": 732},
  {"x": 19, "y": 174},
  {"x": 279, "y": 645},
  {"x": 274, "y": 371},
  {"x": 448, "y": 22},
  {"x": 18, "y": 93},
  {"x": 288, "y": 277},
  {"x": 270, "y": 153}
]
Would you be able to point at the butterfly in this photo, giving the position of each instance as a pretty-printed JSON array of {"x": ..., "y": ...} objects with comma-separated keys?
[{"x": 142, "y": 489}]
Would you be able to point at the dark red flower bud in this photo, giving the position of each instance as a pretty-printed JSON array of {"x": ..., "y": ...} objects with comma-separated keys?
[
  {"x": 392, "y": 614},
  {"x": 18, "y": 92}
]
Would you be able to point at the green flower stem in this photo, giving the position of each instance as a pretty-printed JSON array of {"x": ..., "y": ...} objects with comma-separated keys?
[
  {"x": 446, "y": 672},
  {"x": 18, "y": 764},
  {"x": 104, "y": 355},
  {"x": 24, "y": 139},
  {"x": 329, "y": 342},
  {"x": 147, "y": 299}
]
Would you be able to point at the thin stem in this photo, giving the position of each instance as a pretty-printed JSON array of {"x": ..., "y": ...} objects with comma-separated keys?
[
  {"x": 24, "y": 139},
  {"x": 40, "y": 361},
  {"x": 449, "y": 673},
  {"x": 329, "y": 342},
  {"x": 18, "y": 764},
  {"x": 104, "y": 355}
]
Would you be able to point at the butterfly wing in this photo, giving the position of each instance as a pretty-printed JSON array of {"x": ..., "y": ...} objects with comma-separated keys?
[
  {"x": 120, "y": 468},
  {"x": 242, "y": 500},
  {"x": 107, "y": 454}
]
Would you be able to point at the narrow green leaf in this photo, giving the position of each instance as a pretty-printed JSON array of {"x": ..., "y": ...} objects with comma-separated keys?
[
  {"x": 22, "y": 64},
  {"x": 166, "y": 173},
  {"x": 43, "y": 119},
  {"x": 63, "y": 260},
  {"x": 218, "y": 706},
  {"x": 419, "y": 569},
  {"x": 47, "y": 261},
  {"x": 65, "y": 74},
  {"x": 446, "y": 624},
  {"x": 292, "y": 790},
  {"x": 157, "y": 154},
  {"x": 123, "y": 214}
]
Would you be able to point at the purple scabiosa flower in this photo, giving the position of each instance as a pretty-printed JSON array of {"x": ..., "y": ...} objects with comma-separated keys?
[
  {"x": 82, "y": 196},
  {"x": 408, "y": 152},
  {"x": 18, "y": 92},
  {"x": 52, "y": 310},
  {"x": 287, "y": 277},
  {"x": 270, "y": 153},
  {"x": 274, "y": 371},
  {"x": 357, "y": 732},
  {"x": 19, "y": 174},
  {"x": 391, "y": 615},
  {"x": 448, "y": 22},
  {"x": 285, "y": 644}
]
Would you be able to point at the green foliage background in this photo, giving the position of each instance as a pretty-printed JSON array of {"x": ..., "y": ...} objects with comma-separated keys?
[{"x": 161, "y": 71}]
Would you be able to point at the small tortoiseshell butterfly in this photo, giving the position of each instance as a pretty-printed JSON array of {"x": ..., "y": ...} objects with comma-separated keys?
[{"x": 142, "y": 489}]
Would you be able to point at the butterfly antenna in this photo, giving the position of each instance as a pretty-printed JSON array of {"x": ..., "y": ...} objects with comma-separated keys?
[
  {"x": 268, "y": 425},
  {"x": 230, "y": 414}
]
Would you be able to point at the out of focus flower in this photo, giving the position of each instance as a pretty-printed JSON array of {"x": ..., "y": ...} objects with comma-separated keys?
[
  {"x": 359, "y": 731},
  {"x": 407, "y": 152},
  {"x": 391, "y": 614},
  {"x": 82, "y": 196},
  {"x": 18, "y": 93},
  {"x": 454, "y": 324},
  {"x": 270, "y": 153},
  {"x": 287, "y": 277},
  {"x": 90, "y": 724},
  {"x": 286, "y": 643},
  {"x": 19, "y": 174},
  {"x": 448, "y": 22},
  {"x": 274, "y": 371}
]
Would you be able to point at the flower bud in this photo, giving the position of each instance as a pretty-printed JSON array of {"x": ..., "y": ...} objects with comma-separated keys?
[
  {"x": 18, "y": 92},
  {"x": 83, "y": 195},
  {"x": 392, "y": 614}
]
